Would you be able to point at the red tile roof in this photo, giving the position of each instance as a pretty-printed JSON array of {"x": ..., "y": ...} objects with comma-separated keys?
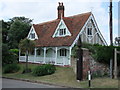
[{"x": 46, "y": 30}]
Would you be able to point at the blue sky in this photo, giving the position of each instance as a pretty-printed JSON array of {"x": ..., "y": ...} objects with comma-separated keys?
[{"x": 46, "y": 10}]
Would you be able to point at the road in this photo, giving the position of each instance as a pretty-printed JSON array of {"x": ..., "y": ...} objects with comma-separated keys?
[{"x": 9, "y": 83}]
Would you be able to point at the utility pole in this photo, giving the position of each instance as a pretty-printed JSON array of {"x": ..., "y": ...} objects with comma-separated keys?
[
  {"x": 111, "y": 38},
  {"x": 111, "y": 24}
]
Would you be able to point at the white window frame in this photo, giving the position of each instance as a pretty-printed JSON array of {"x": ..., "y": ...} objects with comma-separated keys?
[
  {"x": 63, "y": 52},
  {"x": 62, "y": 32}
]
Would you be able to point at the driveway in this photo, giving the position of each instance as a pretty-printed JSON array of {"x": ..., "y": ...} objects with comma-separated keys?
[{"x": 9, "y": 83}]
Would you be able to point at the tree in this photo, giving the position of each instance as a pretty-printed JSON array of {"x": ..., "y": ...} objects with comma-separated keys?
[
  {"x": 26, "y": 46},
  {"x": 5, "y": 28},
  {"x": 19, "y": 28}
]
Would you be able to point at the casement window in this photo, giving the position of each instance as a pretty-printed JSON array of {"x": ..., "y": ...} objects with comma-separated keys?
[
  {"x": 38, "y": 52},
  {"x": 89, "y": 31},
  {"x": 63, "y": 52},
  {"x": 32, "y": 35},
  {"x": 62, "y": 32}
]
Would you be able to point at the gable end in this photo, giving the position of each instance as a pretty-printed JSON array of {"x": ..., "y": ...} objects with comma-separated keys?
[
  {"x": 32, "y": 35},
  {"x": 61, "y": 30}
]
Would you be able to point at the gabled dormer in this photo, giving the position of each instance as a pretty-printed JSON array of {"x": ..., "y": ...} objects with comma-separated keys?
[
  {"x": 61, "y": 30},
  {"x": 32, "y": 34}
]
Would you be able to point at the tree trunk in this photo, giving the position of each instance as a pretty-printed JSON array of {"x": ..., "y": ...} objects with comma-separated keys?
[{"x": 26, "y": 61}]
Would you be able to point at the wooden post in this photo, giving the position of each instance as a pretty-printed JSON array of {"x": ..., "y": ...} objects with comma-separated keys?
[
  {"x": 35, "y": 54},
  {"x": 89, "y": 79},
  {"x": 111, "y": 70},
  {"x": 44, "y": 54},
  {"x": 115, "y": 63},
  {"x": 70, "y": 56},
  {"x": 56, "y": 56}
]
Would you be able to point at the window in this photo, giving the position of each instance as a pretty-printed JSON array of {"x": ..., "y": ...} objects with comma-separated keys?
[
  {"x": 89, "y": 31},
  {"x": 63, "y": 52},
  {"x": 62, "y": 32},
  {"x": 32, "y": 35}
]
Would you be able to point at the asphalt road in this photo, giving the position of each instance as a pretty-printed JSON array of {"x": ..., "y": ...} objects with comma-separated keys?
[{"x": 9, "y": 83}]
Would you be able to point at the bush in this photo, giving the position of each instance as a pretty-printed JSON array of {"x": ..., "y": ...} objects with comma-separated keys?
[
  {"x": 97, "y": 74},
  {"x": 8, "y": 57},
  {"x": 42, "y": 70},
  {"x": 11, "y": 68},
  {"x": 15, "y": 52}
]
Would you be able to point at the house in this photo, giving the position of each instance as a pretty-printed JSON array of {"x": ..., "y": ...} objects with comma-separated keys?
[{"x": 55, "y": 39}]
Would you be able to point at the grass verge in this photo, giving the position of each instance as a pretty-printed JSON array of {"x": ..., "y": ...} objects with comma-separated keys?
[{"x": 63, "y": 76}]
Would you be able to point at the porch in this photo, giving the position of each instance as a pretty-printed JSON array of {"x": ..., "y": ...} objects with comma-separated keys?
[{"x": 49, "y": 55}]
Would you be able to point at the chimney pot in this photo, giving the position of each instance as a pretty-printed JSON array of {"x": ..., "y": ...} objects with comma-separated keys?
[
  {"x": 62, "y": 3},
  {"x": 59, "y": 3},
  {"x": 60, "y": 10}
]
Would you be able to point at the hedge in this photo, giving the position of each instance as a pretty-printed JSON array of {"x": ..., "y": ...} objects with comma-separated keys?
[{"x": 101, "y": 54}]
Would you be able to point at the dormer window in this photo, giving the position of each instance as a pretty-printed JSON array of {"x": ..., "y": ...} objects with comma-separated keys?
[
  {"x": 62, "y": 32},
  {"x": 32, "y": 35}
]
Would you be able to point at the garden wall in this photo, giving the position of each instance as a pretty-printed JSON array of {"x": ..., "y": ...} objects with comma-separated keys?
[{"x": 96, "y": 68}]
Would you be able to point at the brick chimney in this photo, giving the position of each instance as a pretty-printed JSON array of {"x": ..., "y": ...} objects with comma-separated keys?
[{"x": 60, "y": 10}]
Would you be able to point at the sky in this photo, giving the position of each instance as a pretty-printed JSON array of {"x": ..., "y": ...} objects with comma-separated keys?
[{"x": 46, "y": 10}]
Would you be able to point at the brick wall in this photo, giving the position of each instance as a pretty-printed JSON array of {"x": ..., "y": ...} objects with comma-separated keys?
[{"x": 89, "y": 64}]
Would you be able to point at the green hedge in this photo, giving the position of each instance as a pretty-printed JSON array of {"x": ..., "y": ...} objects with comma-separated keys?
[
  {"x": 42, "y": 70},
  {"x": 11, "y": 68},
  {"x": 102, "y": 54}
]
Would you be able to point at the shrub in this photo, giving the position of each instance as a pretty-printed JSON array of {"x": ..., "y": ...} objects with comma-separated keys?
[
  {"x": 11, "y": 68},
  {"x": 15, "y": 52},
  {"x": 97, "y": 74},
  {"x": 8, "y": 57},
  {"x": 42, "y": 70},
  {"x": 50, "y": 68}
]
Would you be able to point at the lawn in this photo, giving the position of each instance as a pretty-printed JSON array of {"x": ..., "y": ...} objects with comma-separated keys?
[{"x": 64, "y": 76}]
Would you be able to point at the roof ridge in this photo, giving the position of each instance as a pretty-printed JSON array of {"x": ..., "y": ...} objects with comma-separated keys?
[
  {"x": 80, "y": 14},
  {"x": 46, "y": 22}
]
